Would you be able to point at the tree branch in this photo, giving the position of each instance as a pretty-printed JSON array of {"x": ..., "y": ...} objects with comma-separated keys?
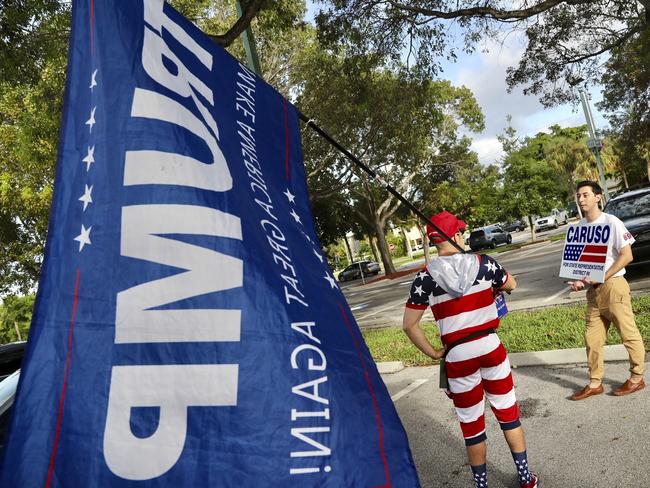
[
  {"x": 251, "y": 9},
  {"x": 490, "y": 12}
]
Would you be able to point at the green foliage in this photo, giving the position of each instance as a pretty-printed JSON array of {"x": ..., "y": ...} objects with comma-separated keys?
[
  {"x": 31, "y": 31},
  {"x": 15, "y": 313},
  {"x": 564, "y": 38},
  {"x": 626, "y": 96},
  {"x": 29, "y": 124},
  {"x": 411, "y": 139}
]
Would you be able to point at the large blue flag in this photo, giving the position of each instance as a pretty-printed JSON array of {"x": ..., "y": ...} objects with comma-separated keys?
[{"x": 187, "y": 330}]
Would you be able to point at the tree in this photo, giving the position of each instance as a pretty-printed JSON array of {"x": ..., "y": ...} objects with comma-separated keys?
[
  {"x": 15, "y": 318},
  {"x": 397, "y": 125},
  {"x": 531, "y": 185},
  {"x": 31, "y": 31},
  {"x": 33, "y": 56},
  {"x": 29, "y": 125},
  {"x": 565, "y": 38},
  {"x": 626, "y": 96}
]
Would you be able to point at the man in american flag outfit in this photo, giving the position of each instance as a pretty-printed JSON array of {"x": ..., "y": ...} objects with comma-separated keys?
[{"x": 460, "y": 289}]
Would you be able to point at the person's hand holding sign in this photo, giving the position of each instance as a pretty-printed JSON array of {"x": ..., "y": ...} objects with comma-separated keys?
[{"x": 579, "y": 285}]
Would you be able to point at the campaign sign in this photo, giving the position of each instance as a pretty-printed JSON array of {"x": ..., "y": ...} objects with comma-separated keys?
[
  {"x": 502, "y": 308},
  {"x": 585, "y": 252},
  {"x": 188, "y": 330}
]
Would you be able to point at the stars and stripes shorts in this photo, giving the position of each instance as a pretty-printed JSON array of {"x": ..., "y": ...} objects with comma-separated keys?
[{"x": 476, "y": 369}]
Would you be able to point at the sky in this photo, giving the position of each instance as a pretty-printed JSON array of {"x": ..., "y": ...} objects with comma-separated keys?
[{"x": 484, "y": 72}]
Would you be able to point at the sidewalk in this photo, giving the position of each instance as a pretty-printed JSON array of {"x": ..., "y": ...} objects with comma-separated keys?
[{"x": 599, "y": 442}]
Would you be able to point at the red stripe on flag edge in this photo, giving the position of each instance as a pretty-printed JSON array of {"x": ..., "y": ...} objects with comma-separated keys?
[
  {"x": 59, "y": 417},
  {"x": 593, "y": 258},
  {"x": 92, "y": 26},
  {"x": 366, "y": 374}
]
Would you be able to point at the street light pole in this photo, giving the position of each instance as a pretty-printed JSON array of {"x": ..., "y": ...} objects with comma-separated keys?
[
  {"x": 252, "y": 60},
  {"x": 594, "y": 143}
]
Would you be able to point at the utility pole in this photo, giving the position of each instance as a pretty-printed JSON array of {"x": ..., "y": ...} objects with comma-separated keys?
[
  {"x": 594, "y": 143},
  {"x": 252, "y": 60}
]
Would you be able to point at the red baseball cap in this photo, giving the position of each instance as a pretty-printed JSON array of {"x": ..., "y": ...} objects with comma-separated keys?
[{"x": 447, "y": 223}]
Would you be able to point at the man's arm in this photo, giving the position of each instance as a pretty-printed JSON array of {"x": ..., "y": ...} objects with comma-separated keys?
[
  {"x": 509, "y": 285},
  {"x": 411, "y": 325}
]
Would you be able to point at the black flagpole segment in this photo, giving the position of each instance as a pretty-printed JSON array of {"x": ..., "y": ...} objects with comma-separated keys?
[{"x": 375, "y": 176}]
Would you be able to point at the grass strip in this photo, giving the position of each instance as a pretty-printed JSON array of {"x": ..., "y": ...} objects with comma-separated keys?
[{"x": 560, "y": 327}]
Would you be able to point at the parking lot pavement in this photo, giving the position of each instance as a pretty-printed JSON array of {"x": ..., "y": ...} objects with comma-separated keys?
[{"x": 601, "y": 442}]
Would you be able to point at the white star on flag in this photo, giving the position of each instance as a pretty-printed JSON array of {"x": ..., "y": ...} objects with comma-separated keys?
[
  {"x": 419, "y": 290},
  {"x": 91, "y": 121},
  {"x": 320, "y": 258},
  {"x": 306, "y": 236},
  {"x": 84, "y": 237},
  {"x": 290, "y": 196},
  {"x": 329, "y": 278},
  {"x": 296, "y": 216},
  {"x": 87, "y": 197},
  {"x": 491, "y": 266},
  {"x": 483, "y": 281},
  {"x": 90, "y": 157},
  {"x": 422, "y": 274},
  {"x": 93, "y": 82}
]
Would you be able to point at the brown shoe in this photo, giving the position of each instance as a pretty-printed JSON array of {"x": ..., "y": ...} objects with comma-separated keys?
[
  {"x": 628, "y": 387},
  {"x": 586, "y": 392}
]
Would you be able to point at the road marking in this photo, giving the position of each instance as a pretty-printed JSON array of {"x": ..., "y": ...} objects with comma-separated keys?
[
  {"x": 561, "y": 292},
  {"x": 408, "y": 389},
  {"x": 359, "y": 307}
]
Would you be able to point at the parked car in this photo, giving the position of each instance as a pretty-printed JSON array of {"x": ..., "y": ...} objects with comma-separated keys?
[
  {"x": 515, "y": 226},
  {"x": 572, "y": 209},
  {"x": 553, "y": 220},
  {"x": 11, "y": 356},
  {"x": 489, "y": 236},
  {"x": 633, "y": 208},
  {"x": 353, "y": 271}
]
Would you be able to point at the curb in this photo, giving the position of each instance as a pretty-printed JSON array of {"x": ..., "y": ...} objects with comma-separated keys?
[
  {"x": 556, "y": 357},
  {"x": 390, "y": 367},
  {"x": 615, "y": 352}
]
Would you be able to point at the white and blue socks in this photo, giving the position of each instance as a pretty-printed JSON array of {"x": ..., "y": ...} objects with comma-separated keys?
[
  {"x": 521, "y": 462},
  {"x": 480, "y": 476}
]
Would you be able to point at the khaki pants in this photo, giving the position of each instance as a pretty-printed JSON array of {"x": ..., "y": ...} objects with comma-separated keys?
[{"x": 611, "y": 302}]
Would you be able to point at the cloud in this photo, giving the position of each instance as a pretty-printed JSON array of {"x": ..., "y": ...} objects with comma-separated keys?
[
  {"x": 489, "y": 150},
  {"x": 484, "y": 72}
]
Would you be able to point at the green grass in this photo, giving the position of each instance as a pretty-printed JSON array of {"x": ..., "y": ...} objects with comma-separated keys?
[{"x": 551, "y": 328}]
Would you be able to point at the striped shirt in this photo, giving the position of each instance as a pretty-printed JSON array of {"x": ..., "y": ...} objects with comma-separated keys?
[{"x": 460, "y": 316}]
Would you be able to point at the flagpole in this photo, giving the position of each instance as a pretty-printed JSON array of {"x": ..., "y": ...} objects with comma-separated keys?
[{"x": 310, "y": 123}]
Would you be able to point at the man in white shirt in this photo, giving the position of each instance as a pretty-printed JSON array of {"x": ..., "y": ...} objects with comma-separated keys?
[{"x": 609, "y": 301}]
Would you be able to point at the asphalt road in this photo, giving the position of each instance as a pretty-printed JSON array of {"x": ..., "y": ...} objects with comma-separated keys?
[
  {"x": 381, "y": 304},
  {"x": 601, "y": 442}
]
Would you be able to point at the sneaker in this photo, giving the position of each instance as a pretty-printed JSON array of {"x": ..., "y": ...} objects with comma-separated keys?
[{"x": 533, "y": 483}]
